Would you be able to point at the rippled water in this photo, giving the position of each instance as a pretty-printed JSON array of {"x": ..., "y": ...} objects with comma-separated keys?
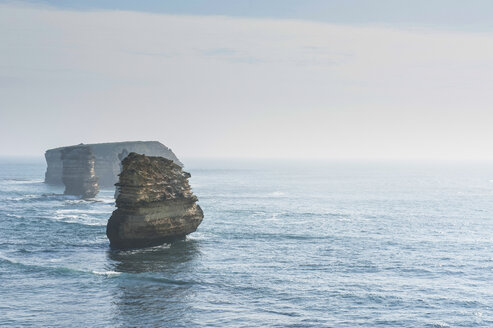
[{"x": 281, "y": 245}]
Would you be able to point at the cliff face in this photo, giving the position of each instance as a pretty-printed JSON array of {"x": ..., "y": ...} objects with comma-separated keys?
[
  {"x": 107, "y": 159},
  {"x": 155, "y": 203},
  {"x": 78, "y": 174}
]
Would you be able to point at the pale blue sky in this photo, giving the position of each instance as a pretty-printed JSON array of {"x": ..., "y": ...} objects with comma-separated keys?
[
  {"x": 453, "y": 14},
  {"x": 276, "y": 79}
]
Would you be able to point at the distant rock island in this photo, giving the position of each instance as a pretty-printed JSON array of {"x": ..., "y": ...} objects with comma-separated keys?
[
  {"x": 107, "y": 159},
  {"x": 155, "y": 203},
  {"x": 78, "y": 174}
]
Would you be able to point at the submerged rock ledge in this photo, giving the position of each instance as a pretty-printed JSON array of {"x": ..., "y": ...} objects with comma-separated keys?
[{"x": 155, "y": 203}]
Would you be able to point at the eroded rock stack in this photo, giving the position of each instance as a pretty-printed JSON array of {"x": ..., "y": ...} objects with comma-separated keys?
[
  {"x": 108, "y": 159},
  {"x": 155, "y": 203},
  {"x": 78, "y": 174}
]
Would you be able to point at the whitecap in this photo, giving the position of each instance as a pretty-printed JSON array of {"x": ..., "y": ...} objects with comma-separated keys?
[
  {"x": 106, "y": 273},
  {"x": 68, "y": 216},
  {"x": 23, "y": 181},
  {"x": 196, "y": 236},
  {"x": 22, "y": 198},
  {"x": 8, "y": 259},
  {"x": 106, "y": 200},
  {"x": 75, "y": 211}
]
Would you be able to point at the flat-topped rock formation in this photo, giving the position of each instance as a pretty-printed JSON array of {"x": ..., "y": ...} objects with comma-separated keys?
[
  {"x": 155, "y": 203},
  {"x": 107, "y": 159},
  {"x": 78, "y": 174}
]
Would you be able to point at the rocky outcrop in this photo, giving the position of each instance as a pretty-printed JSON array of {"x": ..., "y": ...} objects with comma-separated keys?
[
  {"x": 108, "y": 157},
  {"x": 78, "y": 174},
  {"x": 155, "y": 203}
]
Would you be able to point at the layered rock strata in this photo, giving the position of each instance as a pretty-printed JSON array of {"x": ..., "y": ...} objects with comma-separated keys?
[
  {"x": 155, "y": 203},
  {"x": 78, "y": 174},
  {"x": 108, "y": 157}
]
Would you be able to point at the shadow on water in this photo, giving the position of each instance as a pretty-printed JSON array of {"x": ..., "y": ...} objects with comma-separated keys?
[
  {"x": 164, "y": 258},
  {"x": 155, "y": 284}
]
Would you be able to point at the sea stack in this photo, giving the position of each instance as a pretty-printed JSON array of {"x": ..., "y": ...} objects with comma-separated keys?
[
  {"x": 155, "y": 203},
  {"x": 108, "y": 158},
  {"x": 78, "y": 174}
]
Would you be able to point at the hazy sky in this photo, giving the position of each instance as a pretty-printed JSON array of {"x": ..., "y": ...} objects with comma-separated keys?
[{"x": 277, "y": 79}]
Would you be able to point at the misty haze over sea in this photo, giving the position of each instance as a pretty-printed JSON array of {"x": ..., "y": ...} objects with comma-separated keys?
[
  {"x": 340, "y": 151},
  {"x": 302, "y": 244}
]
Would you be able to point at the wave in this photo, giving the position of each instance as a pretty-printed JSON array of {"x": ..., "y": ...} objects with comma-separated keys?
[
  {"x": 69, "y": 199},
  {"x": 275, "y": 217},
  {"x": 165, "y": 280},
  {"x": 59, "y": 270},
  {"x": 23, "y": 198},
  {"x": 8, "y": 259},
  {"x": 247, "y": 196},
  {"x": 106, "y": 273},
  {"x": 64, "y": 271},
  {"x": 143, "y": 250},
  {"x": 74, "y": 211},
  {"x": 196, "y": 236},
  {"x": 43, "y": 197},
  {"x": 105, "y": 200},
  {"x": 21, "y": 181},
  {"x": 80, "y": 219},
  {"x": 90, "y": 216}
]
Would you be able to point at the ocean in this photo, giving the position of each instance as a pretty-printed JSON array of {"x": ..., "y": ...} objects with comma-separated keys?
[{"x": 282, "y": 244}]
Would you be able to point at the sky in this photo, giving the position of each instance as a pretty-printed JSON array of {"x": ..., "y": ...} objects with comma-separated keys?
[{"x": 350, "y": 79}]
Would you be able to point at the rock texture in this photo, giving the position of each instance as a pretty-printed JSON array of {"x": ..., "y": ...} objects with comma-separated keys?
[
  {"x": 78, "y": 174},
  {"x": 107, "y": 159},
  {"x": 155, "y": 203}
]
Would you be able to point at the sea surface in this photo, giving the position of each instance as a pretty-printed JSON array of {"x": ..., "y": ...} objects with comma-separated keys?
[{"x": 282, "y": 244}]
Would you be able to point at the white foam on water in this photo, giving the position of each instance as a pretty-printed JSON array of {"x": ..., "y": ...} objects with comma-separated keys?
[
  {"x": 105, "y": 200},
  {"x": 162, "y": 246},
  {"x": 194, "y": 236},
  {"x": 55, "y": 260},
  {"x": 81, "y": 218},
  {"x": 106, "y": 273},
  {"x": 8, "y": 259},
  {"x": 81, "y": 211},
  {"x": 23, "y": 181},
  {"x": 22, "y": 198},
  {"x": 274, "y": 217}
]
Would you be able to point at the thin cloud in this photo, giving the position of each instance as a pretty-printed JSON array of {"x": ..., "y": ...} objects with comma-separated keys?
[{"x": 243, "y": 87}]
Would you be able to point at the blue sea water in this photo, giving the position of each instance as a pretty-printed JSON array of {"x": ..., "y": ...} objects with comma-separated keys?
[{"x": 285, "y": 244}]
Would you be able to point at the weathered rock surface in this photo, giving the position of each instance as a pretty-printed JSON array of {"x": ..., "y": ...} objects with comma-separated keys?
[
  {"x": 78, "y": 174},
  {"x": 108, "y": 157},
  {"x": 155, "y": 203}
]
